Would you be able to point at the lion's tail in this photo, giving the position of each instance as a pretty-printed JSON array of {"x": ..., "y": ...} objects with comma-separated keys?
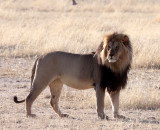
[
  {"x": 33, "y": 70},
  {"x": 16, "y": 100},
  {"x": 32, "y": 77}
]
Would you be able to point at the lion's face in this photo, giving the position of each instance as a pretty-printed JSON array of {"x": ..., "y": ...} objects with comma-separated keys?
[{"x": 115, "y": 51}]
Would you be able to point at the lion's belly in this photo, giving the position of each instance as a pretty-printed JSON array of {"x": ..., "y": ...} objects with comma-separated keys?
[{"x": 76, "y": 83}]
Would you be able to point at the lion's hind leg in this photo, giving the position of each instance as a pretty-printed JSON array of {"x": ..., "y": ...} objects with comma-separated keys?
[
  {"x": 34, "y": 93},
  {"x": 55, "y": 89}
]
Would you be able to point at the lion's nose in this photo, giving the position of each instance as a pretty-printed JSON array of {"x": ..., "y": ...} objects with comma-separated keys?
[{"x": 111, "y": 55}]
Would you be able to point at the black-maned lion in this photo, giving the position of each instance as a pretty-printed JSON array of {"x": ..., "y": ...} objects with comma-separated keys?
[{"x": 107, "y": 69}]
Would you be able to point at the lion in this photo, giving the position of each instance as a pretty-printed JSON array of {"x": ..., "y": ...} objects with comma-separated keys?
[{"x": 107, "y": 68}]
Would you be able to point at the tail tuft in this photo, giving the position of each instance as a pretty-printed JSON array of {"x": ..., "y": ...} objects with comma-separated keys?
[{"x": 16, "y": 100}]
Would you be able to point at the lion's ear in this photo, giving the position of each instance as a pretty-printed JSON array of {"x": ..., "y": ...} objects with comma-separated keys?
[{"x": 125, "y": 40}]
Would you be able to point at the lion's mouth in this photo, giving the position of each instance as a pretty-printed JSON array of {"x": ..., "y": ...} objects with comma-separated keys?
[{"x": 111, "y": 59}]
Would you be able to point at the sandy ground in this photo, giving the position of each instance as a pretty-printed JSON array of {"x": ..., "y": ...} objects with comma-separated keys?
[{"x": 15, "y": 80}]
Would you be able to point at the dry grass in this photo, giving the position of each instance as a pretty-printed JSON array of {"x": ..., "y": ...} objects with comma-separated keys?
[{"x": 30, "y": 28}]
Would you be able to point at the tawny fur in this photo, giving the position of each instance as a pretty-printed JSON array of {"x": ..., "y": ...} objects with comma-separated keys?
[{"x": 107, "y": 68}]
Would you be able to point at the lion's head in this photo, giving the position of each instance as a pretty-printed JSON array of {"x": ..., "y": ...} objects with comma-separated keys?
[{"x": 115, "y": 52}]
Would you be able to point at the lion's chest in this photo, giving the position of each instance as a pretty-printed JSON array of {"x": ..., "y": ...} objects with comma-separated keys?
[{"x": 111, "y": 80}]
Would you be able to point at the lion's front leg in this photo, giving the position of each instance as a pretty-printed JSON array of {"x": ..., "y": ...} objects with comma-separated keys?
[
  {"x": 114, "y": 97},
  {"x": 100, "y": 94}
]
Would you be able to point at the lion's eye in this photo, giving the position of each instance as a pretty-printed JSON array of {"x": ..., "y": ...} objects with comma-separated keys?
[{"x": 117, "y": 48}]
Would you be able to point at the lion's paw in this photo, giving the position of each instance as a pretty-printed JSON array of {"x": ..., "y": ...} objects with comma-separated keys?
[
  {"x": 119, "y": 117},
  {"x": 102, "y": 116},
  {"x": 64, "y": 115},
  {"x": 32, "y": 115}
]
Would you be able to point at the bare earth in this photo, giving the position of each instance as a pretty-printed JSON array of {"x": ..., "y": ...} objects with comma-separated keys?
[{"x": 80, "y": 105}]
